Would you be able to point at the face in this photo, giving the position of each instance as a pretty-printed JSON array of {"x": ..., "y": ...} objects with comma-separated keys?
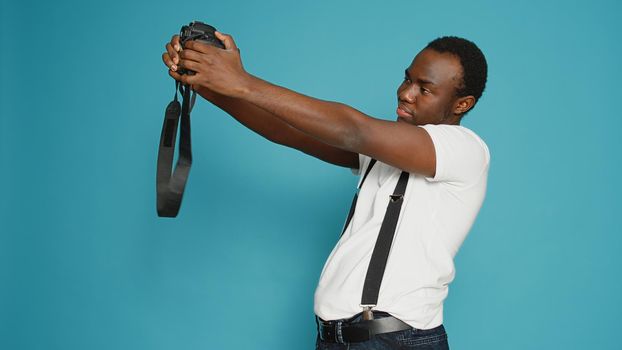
[{"x": 428, "y": 93}]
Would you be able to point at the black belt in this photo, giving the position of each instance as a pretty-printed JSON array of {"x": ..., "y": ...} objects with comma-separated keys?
[{"x": 347, "y": 331}]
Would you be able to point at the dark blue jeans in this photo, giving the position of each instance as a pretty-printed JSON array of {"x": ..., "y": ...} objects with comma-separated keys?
[{"x": 419, "y": 339}]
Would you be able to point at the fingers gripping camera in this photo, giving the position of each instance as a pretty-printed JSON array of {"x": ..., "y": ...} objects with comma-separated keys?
[{"x": 198, "y": 31}]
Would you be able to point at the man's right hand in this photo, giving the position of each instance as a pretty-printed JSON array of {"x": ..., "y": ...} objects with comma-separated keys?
[{"x": 171, "y": 57}]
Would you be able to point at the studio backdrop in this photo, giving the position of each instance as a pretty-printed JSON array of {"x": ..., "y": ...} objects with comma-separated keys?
[{"x": 86, "y": 263}]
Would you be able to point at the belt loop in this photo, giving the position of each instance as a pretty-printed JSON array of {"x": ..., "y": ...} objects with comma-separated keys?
[
  {"x": 339, "y": 334},
  {"x": 317, "y": 325}
]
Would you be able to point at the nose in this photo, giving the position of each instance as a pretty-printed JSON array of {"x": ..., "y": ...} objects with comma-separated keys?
[{"x": 407, "y": 93}]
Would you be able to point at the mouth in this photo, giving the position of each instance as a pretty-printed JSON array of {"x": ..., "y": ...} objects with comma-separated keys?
[{"x": 404, "y": 114}]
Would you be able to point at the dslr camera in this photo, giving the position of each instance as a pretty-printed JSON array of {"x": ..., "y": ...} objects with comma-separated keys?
[{"x": 201, "y": 32}]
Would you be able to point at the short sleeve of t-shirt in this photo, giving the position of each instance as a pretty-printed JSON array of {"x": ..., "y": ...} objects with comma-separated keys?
[
  {"x": 363, "y": 164},
  {"x": 461, "y": 156}
]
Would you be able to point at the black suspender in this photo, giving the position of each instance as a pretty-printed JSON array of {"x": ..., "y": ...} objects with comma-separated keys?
[
  {"x": 356, "y": 196},
  {"x": 380, "y": 255}
]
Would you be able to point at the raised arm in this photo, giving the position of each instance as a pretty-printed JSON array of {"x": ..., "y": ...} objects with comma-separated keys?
[
  {"x": 401, "y": 145},
  {"x": 263, "y": 122}
]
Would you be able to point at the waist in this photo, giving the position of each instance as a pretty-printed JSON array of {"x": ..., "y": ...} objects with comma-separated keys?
[
  {"x": 356, "y": 329},
  {"x": 419, "y": 309}
]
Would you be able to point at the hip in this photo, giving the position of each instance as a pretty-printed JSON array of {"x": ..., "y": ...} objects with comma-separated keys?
[{"x": 412, "y": 338}]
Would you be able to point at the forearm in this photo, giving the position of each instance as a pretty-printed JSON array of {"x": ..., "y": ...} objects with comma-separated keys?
[
  {"x": 276, "y": 130},
  {"x": 330, "y": 122},
  {"x": 251, "y": 116}
]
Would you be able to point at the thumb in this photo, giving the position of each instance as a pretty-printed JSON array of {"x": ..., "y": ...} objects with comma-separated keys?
[{"x": 227, "y": 40}]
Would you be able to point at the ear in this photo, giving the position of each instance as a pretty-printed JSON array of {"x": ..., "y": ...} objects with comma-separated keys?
[{"x": 463, "y": 104}]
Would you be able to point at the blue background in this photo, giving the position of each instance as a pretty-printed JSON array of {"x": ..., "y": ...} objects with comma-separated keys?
[{"x": 85, "y": 263}]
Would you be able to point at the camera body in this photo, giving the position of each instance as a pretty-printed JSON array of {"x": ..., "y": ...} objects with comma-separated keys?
[{"x": 198, "y": 31}]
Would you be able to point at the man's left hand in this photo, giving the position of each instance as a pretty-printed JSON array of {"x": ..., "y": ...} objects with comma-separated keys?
[{"x": 216, "y": 69}]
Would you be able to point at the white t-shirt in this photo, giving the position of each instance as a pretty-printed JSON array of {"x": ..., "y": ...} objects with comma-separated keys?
[{"x": 436, "y": 216}]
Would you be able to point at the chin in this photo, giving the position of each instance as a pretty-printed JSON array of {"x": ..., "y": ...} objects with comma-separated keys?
[{"x": 406, "y": 120}]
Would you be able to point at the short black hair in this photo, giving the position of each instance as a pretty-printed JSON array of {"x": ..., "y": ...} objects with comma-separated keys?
[{"x": 474, "y": 66}]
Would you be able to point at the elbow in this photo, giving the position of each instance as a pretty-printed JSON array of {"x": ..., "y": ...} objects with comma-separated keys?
[{"x": 349, "y": 132}]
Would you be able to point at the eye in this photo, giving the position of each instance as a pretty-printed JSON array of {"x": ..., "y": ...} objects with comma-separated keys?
[
  {"x": 406, "y": 80},
  {"x": 425, "y": 91}
]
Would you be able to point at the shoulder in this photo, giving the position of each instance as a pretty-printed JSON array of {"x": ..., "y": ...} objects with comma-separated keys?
[
  {"x": 456, "y": 134},
  {"x": 461, "y": 154}
]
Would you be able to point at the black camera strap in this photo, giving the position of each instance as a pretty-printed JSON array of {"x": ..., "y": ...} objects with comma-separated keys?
[
  {"x": 170, "y": 189},
  {"x": 382, "y": 248}
]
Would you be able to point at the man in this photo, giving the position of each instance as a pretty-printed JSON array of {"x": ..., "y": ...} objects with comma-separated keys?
[{"x": 446, "y": 167}]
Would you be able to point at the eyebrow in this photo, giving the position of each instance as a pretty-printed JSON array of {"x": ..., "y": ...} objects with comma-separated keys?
[{"x": 419, "y": 80}]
